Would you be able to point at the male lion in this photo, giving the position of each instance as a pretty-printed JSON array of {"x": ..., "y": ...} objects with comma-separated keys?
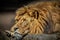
[{"x": 37, "y": 18}]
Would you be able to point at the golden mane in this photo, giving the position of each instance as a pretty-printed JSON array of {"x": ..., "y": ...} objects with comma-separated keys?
[{"x": 38, "y": 18}]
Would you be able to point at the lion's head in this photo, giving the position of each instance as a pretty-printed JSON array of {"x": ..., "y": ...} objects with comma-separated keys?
[{"x": 36, "y": 18}]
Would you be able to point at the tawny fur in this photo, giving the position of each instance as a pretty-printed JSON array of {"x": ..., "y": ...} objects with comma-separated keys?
[{"x": 38, "y": 18}]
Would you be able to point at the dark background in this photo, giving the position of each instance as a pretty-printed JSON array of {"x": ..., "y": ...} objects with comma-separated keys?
[
  {"x": 11, "y": 5},
  {"x": 7, "y": 11}
]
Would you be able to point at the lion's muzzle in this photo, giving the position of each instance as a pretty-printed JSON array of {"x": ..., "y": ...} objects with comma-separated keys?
[{"x": 15, "y": 35}]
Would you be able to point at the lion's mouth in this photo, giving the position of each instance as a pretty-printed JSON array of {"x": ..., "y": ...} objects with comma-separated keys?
[{"x": 14, "y": 36}]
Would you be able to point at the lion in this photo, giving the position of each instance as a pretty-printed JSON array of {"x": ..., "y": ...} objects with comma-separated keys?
[{"x": 37, "y": 18}]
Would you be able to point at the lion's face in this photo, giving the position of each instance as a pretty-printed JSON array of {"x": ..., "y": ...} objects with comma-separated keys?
[{"x": 25, "y": 25}]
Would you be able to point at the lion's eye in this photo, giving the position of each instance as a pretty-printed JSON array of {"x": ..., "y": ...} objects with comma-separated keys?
[{"x": 24, "y": 19}]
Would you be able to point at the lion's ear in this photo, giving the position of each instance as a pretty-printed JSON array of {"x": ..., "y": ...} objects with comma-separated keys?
[{"x": 36, "y": 14}]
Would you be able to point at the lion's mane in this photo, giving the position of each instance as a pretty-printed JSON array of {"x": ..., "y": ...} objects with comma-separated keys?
[{"x": 38, "y": 18}]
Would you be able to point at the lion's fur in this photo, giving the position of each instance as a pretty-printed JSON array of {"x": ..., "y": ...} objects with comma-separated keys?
[{"x": 38, "y": 18}]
